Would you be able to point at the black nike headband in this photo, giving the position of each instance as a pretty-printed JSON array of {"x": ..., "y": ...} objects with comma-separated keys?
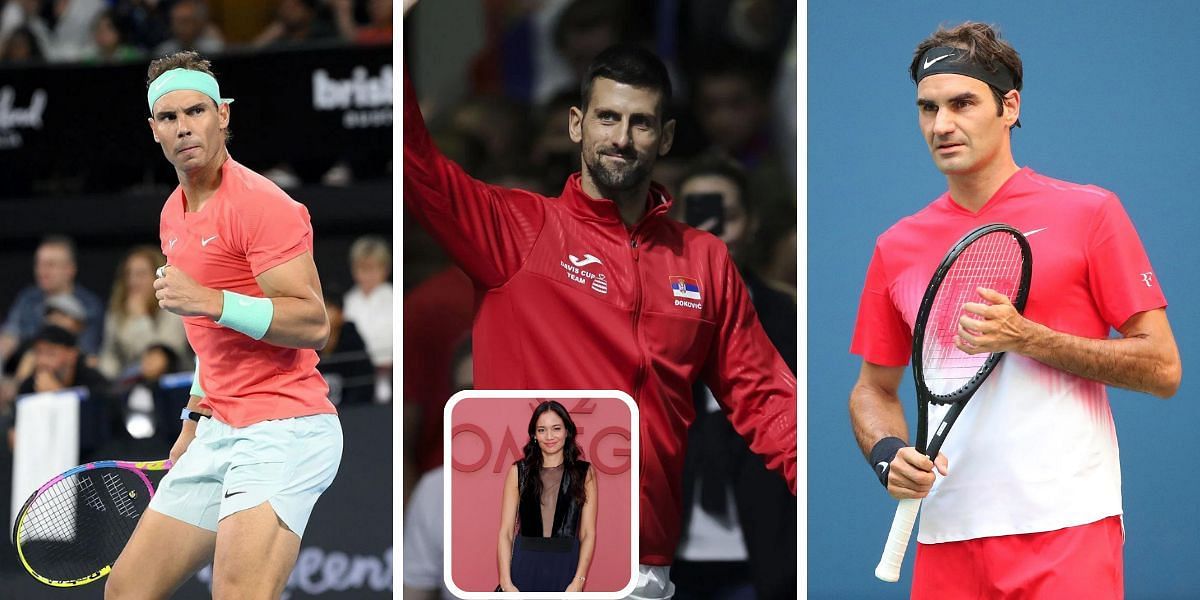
[{"x": 943, "y": 59}]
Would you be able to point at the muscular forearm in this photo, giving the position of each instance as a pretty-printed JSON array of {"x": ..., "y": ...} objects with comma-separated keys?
[
  {"x": 295, "y": 322},
  {"x": 875, "y": 413},
  {"x": 298, "y": 323},
  {"x": 1132, "y": 362}
]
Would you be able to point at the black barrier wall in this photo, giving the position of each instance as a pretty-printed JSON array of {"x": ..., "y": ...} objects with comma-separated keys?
[{"x": 82, "y": 129}]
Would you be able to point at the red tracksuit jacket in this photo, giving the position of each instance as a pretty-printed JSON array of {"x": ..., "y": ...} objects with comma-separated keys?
[{"x": 569, "y": 298}]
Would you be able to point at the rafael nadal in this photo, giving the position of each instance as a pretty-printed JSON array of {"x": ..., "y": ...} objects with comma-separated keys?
[{"x": 261, "y": 440}]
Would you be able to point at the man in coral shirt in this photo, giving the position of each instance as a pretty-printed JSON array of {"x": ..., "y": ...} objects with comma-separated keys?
[{"x": 260, "y": 441}]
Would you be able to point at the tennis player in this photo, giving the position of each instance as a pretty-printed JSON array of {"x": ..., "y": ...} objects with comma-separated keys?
[
  {"x": 260, "y": 439},
  {"x": 600, "y": 289},
  {"x": 1030, "y": 502}
]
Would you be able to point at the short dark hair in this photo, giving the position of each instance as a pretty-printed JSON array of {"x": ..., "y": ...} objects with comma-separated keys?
[
  {"x": 53, "y": 334},
  {"x": 186, "y": 59},
  {"x": 632, "y": 65},
  {"x": 983, "y": 46}
]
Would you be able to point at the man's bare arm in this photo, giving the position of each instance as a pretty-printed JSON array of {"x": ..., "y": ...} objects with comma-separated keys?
[
  {"x": 1145, "y": 357},
  {"x": 875, "y": 410},
  {"x": 875, "y": 414}
]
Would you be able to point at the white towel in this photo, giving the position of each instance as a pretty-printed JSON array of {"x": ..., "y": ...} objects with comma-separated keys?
[{"x": 47, "y": 442}]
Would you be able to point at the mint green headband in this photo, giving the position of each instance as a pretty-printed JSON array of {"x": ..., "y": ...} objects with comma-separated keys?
[{"x": 184, "y": 79}]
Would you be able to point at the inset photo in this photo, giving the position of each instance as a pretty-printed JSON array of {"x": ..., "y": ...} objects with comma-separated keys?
[{"x": 541, "y": 496}]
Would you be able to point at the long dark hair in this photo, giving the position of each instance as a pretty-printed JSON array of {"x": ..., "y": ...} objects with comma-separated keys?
[{"x": 572, "y": 455}]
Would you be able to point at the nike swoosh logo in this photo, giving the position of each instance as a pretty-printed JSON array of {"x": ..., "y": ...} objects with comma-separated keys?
[
  {"x": 171, "y": 243},
  {"x": 583, "y": 262},
  {"x": 205, "y": 242},
  {"x": 929, "y": 62},
  {"x": 245, "y": 302},
  {"x": 1029, "y": 233},
  {"x": 228, "y": 494}
]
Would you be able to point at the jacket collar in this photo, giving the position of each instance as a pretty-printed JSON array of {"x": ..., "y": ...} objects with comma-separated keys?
[{"x": 603, "y": 210}]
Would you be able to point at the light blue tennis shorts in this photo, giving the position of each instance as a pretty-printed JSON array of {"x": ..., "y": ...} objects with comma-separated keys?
[{"x": 287, "y": 462}]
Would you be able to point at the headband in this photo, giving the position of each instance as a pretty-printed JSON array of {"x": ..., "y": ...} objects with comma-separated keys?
[
  {"x": 184, "y": 79},
  {"x": 943, "y": 59}
]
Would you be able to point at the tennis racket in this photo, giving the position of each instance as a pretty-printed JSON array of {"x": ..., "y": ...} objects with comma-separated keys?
[
  {"x": 73, "y": 528},
  {"x": 994, "y": 256}
]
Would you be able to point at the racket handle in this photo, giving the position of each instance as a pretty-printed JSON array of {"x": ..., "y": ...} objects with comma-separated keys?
[{"x": 897, "y": 542}]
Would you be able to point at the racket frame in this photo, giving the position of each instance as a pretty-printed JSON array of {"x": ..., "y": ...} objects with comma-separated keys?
[
  {"x": 138, "y": 467},
  {"x": 957, "y": 399}
]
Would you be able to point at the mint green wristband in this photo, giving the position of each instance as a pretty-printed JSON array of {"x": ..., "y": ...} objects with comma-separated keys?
[
  {"x": 196, "y": 389},
  {"x": 246, "y": 314}
]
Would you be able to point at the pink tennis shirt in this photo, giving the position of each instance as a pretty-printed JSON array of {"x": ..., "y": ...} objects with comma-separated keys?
[
  {"x": 246, "y": 228},
  {"x": 1036, "y": 448}
]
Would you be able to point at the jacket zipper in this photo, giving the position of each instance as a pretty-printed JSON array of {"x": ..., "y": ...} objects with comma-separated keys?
[{"x": 637, "y": 310}]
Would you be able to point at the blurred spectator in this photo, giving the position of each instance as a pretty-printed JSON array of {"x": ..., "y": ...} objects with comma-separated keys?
[
  {"x": 29, "y": 18},
  {"x": 732, "y": 102},
  {"x": 584, "y": 28},
  {"x": 21, "y": 47},
  {"x": 147, "y": 400},
  {"x": 498, "y": 128},
  {"x": 423, "y": 539},
  {"x": 344, "y": 360},
  {"x": 378, "y": 29},
  {"x": 739, "y": 517},
  {"x": 758, "y": 26},
  {"x": 728, "y": 216},
  {"x": 108, "y": 43},
  {"x": 437, "y": 316},
  {"x": 54, "y": 271},
  {"x": 296, "y": 22},
  {"x": 369, "y": 303},
  {"x": 62, "y": 310},
  {"x": 142, "y": 22},
  {"x": 191, "y": 29},
  {"x": 63, "y": 28},
  {"x": 134, "y": 321},
  {"x": 58, "y": 365},
  {"x": 423, "y": 535},
  {"x": 553, "y": 154}
]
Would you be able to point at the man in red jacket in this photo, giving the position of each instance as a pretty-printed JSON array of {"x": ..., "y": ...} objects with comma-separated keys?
[{"x": 600, "y": 289}]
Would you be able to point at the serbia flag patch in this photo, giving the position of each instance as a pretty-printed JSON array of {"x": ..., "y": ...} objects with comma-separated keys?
[{"x": 685, "y": 287}]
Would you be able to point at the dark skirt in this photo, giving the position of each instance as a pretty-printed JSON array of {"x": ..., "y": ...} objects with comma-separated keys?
[{"x": 544, "y": 564}]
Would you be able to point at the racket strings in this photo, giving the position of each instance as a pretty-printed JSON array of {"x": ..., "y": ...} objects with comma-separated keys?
[
  {"x": 993, "y": 261},
  {"x": 80, "y": 524}
]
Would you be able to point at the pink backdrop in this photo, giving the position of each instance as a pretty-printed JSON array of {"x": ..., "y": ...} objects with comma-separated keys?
[{"x": 487, "y": 435}]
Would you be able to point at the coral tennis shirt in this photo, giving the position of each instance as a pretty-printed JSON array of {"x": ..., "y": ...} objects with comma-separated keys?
[
  {"x": 1035, "y": 449},
  {"x": 246, "y": 228}
]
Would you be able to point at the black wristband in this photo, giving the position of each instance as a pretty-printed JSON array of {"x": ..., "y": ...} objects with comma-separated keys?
[{"x": 883, "y": 453}]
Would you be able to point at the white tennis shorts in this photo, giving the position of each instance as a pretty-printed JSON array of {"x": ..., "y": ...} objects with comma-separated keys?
[{"x": 287, "y": 462}]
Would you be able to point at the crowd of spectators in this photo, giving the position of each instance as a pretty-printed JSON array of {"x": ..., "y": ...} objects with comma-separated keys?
[
  {"x": 133, "y": 358},
  {"x": 115, "y": 31}
]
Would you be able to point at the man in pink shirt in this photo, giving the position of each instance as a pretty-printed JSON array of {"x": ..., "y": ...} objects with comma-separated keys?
[
  {"x": 260, "y": 440},
  {"x": 1028, "y": 500}
]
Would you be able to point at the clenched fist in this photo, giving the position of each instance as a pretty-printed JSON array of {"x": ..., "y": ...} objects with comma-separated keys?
[{"x": 179, "y": 294}]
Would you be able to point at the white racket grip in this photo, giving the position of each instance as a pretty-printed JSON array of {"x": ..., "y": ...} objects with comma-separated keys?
[{"x": 897, "y": 542}]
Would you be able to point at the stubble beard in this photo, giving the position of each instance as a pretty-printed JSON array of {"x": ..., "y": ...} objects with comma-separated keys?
[{"x": 620, "y": 180}]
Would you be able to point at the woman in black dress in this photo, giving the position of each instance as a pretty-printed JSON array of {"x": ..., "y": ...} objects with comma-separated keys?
[{"x": 548, "y": 515}]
